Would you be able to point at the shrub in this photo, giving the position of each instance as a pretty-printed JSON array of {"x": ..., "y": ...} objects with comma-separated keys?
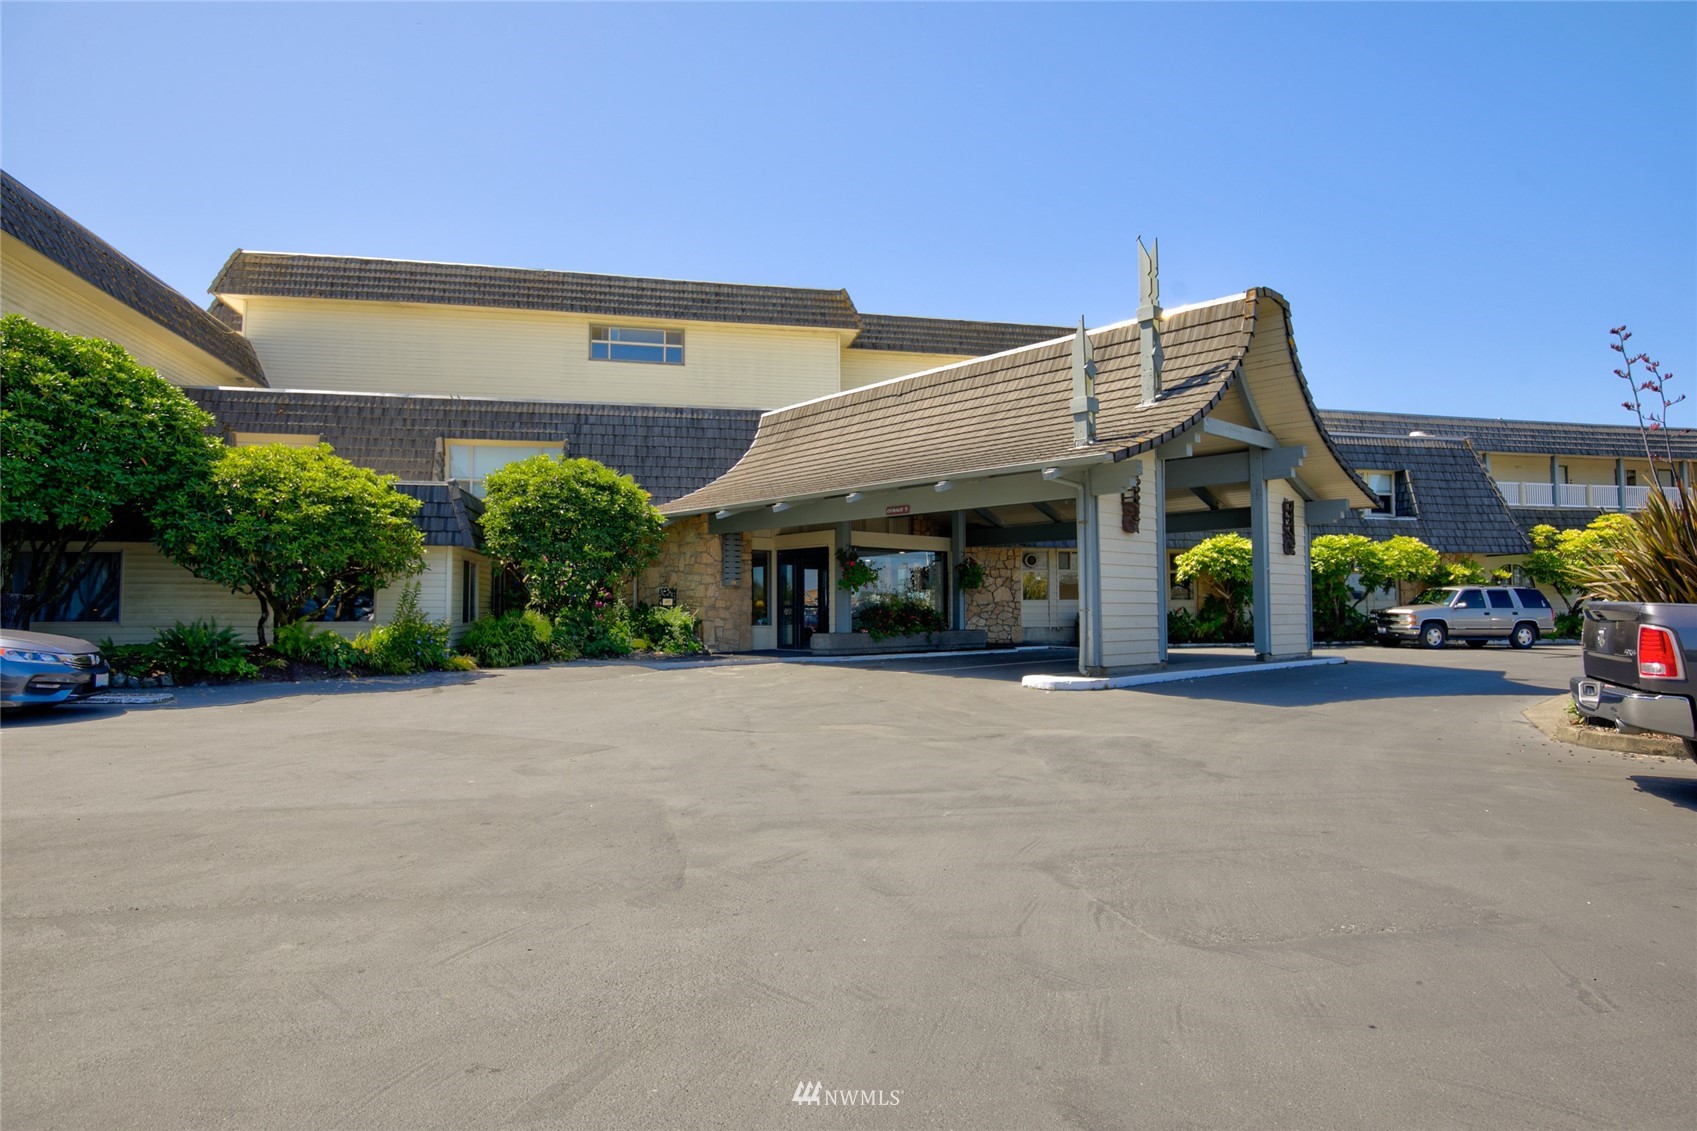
[
  {"x": 201, "y": 651},
  {"x": 1181, "y": 627},
  {"x": 509, "y": 641},
  {"x": 598, "y": 631},
  {"x": 1342, "y": 625},
  {"x": 670, "y": 630},
  {"x": 1217, "y": 622},
  {"x": 130, "y": 659},
  {"x": 1570, "y": 625},
  {"x": 897, "y": 616},
  {"x": 461, "y": 663},
  {"x": 329, "y": 649},
  {"x": 1225, "y": 559},
  {"x": 410, "y": 642}
]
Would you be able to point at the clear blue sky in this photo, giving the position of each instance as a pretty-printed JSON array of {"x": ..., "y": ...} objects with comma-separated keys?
[{"x": 1458, "y": 200}]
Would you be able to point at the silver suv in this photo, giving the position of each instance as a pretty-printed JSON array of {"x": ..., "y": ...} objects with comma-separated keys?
[{"x": 1477, "y": 614}]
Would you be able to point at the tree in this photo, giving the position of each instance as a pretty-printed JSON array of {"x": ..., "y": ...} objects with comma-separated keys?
[
  {"x": 285, "y": 524},
  {"x": 86, "y": 433},
  {"x": 1560, "y": 559},
  {"x": 573, "y": 528},
  {"x": 1228, "y": 561},
  {"x": 1396, "y": 560}
]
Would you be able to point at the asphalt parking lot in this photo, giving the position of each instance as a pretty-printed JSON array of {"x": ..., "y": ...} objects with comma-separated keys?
[{"x": 626, "y": 897}]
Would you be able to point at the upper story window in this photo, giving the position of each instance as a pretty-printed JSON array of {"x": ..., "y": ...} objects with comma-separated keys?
[
  {"x": 1391, "y": 487},
  {"x": 471, "y": 461},
  {"x": 629, "y": 343}
]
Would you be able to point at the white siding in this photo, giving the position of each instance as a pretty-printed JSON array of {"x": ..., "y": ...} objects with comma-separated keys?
[
  {"x": 536, "y": 355},
  {"x": 44, "y": 292},
  {"x": 1130, "y": 576},
  {"x": 866, "y": 367},
  {"x": 1288, "y": 578},
  {"x": 155, "y": 593}
]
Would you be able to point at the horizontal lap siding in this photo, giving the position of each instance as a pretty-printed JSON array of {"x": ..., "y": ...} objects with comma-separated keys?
[
  {"x": 156, "y": 593},
  {"x": 1131, "y": 607},
  {"x": 866, "y": 367},
  {"x": 1288, "y": 579},
  {"x": 462, "y": 351},
  {"x": 44, "y": 292}
]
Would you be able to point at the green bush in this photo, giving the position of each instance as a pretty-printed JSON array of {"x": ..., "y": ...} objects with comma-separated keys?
[
  {"x": 202, "y": 650},
  {"x": 669, "y": 630},
  {"x": 1569, "y": 626},
  {"x": 410, "y": 642},
  {"x": 1342, "y": 625},
  {"x": 897, "y": 616},
  {"x": 509, "y": 641},
  {"x": 598, "y": 631},
  {"x": 1220, "y": 623},
  {"x": 1181, "y": 627},
  {"x": 330, "y": 649},
  {"x": 130, "y": 659}
]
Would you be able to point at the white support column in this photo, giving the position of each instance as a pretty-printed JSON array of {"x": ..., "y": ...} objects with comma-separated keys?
[
  {"x": 1620, "y": 484},
  {"x": 1089, "y": 585},
  {"x": 1130, "y": 618},
  {"x": 1290, "y": 628},
  {"x": 1157, "y": 494},
  {"x": 957, "y": 550},
  {"x": 842, "y": 601},
  {"x": 1260, "y": 581}
]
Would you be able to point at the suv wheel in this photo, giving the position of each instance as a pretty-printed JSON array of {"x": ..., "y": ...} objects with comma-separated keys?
[
  {"x": 1433, "y": 634},
  {"x": 1524, "y": 635}
]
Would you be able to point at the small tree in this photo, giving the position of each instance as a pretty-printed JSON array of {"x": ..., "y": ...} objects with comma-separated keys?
[
  {"x": 1560, "y": 559},
  {"x": 283, "y": 524},
  {"x": 574, "y": 529},
  {"x": 1227, "y": 560},
  {"x": 85, "y": 433},
  {"x": 1399, "y": 560}
]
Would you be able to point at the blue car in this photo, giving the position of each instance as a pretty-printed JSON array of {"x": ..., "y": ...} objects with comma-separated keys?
[{"x": 38, "y": 669}]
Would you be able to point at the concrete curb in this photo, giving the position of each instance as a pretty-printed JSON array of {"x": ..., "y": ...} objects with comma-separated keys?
[
  {"x": 1551, "y": 717},
  {"x": 1110, "y": 683}
]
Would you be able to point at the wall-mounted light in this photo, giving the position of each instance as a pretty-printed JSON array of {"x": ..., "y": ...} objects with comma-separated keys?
[
  {"x": 853, "y": 497},
  {"x": 726, "y": 513},
  {"x": 942, "y": 485},
  {"x": 778, "y": 508},
  {"x": 1051, "y": 473}
]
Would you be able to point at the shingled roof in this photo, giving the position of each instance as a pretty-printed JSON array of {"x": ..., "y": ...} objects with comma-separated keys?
[
  {"x": 33, "y": 222},
  {"x": 287, "y": 275},
  {"x": 670, "y": 451},
  {"x": 448, "y": 516},
  {"x": 948, "y": 335},
  {"x": 1534, "y": 437},
  {"x": 1011, "y": 410},
  {"x": 1457, "y": 507}
]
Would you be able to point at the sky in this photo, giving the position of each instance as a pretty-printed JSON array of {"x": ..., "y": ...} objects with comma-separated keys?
[{"x": 1459, "y": 201}]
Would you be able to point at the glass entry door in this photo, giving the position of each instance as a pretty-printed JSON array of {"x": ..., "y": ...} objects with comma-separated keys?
[{"x": 804, "y": 595}]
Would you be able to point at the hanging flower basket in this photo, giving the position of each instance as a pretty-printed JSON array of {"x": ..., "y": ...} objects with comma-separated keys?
[
  {"x": 853, "y": 574},
  {"x": 970, "y": 574}
]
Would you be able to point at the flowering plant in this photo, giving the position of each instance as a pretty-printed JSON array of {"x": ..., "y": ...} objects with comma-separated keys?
[
  {"x": 853, "y": 574},
  {"x": 970, "y": 573},
  {"x": 898, "y": 616}
]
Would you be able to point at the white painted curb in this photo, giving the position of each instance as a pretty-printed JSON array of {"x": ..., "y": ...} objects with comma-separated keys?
[
  {"x": 1105, "y": 683},
  {"x": 877, "y": 657}
]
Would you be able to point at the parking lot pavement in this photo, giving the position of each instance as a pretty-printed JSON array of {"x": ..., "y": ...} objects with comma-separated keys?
[{"x": 617, "y": 897}]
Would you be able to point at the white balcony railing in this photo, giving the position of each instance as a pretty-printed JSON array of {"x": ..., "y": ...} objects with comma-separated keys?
[{"x": 1600, "y": 496}]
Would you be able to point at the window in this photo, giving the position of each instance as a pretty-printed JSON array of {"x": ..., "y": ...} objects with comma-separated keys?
[
  {"x": 470, "y": 462},
  {"x": 628, "y": 343},
  {"x": 1500, "y": 598},
  {"x": 330, "y": 604},
  {"x": 758, "y": 607},
  {"x": 916, "y": 575},
  {"x": 468, "y": 592},
  {"x": 1391, "y": 488},
  {"x": 1469, "y": 599},
  {"x": 92, "y": 597},
  {"x": 1532, "y": 599}
]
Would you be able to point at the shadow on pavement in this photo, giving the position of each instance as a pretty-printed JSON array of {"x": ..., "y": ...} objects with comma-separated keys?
[
  {"x": 1680, "y": 791},
  {"x": 1313, "y": 687}
]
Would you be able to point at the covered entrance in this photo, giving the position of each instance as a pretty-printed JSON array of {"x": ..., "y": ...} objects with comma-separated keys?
[{"x": 1186, "y": 420}]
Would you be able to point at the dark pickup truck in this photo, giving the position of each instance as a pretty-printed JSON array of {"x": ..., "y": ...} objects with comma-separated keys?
[{"x": 1640, "y": 667}]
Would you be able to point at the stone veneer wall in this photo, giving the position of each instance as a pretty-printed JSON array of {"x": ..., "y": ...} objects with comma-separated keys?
[
  {"x": 995, "y": 607},
  {"x": 690, "y": 561}
]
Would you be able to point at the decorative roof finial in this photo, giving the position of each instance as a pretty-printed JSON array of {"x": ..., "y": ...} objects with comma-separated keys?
[
  {"x": 1149, "y": 318},
  {"x": 1083, "y": 389}
]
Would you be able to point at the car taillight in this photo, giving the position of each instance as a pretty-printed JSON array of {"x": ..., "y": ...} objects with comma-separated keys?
[{"x": 1658, "y": 655}]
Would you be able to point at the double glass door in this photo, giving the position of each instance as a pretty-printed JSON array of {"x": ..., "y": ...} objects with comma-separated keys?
[{"x": 804, "y": 595}]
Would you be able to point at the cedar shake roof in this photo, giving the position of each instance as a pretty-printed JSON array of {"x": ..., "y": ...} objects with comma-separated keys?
[
  {"x": 36, "y": 224},
  {"x": 669, "y": 451},
  {"x": 1007, "y": 411},
  {"x": 448, "y": 516},
  {"x": 461, "y": 284},
  {"x": 948, "y": 335},
  {"x": 1457, "y": 507},
  {"x": 1531, "y": 437},
  {"x": 1562, "y": 518},
  {"x": 226, "y": 314}
]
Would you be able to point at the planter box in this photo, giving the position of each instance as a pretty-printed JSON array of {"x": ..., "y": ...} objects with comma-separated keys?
[{"x": 860, "y": 644}]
